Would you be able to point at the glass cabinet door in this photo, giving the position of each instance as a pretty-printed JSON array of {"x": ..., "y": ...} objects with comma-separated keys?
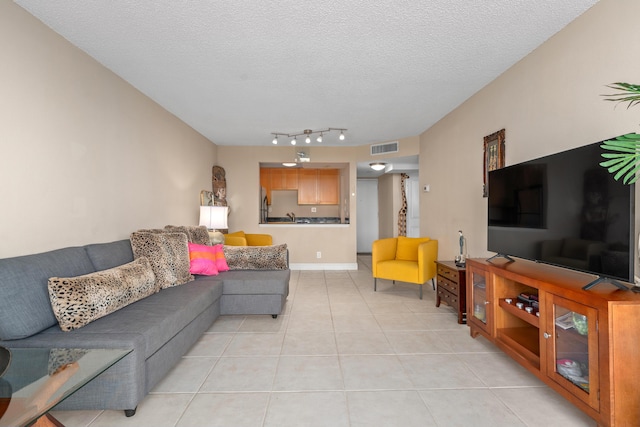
[
  {"x": 572, "y": 339},
  {"x": 479, "y": 297}
]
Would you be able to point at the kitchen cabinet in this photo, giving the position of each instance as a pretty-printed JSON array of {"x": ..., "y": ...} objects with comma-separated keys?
[
  {"x": 582, "y": 343},
  {"x": 265, "y": 182},
  {"x": 284, "y": 179},
  {"x": 278, "y": 179},
  {"x": 318, "y": 186}
]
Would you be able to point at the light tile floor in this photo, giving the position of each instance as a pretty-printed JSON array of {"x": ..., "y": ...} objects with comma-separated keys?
[{"x": 343, "y": 355}]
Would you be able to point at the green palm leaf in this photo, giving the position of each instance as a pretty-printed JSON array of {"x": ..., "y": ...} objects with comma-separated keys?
[
  {"x": 629, "y": 93},
  {"x": 624, "y": 156}
]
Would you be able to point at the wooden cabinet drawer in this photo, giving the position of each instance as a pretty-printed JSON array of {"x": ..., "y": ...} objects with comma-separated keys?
[
  {"x": 448, "y": 285},
  {"x": 449, "y": 298},
  {"x": 448, "y": 273}
]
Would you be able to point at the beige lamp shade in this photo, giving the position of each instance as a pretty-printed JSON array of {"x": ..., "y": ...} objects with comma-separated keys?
[{"x": 214, "y": 217}]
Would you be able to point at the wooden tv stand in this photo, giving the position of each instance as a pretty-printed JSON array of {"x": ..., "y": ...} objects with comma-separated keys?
[{"x": 584, "y": 344}]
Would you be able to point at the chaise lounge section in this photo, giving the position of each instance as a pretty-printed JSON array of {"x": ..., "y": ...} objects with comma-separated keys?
[{"x": 159, "y": 328}]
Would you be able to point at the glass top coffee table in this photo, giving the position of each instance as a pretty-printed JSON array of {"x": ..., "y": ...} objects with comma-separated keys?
[{"x": 36, "y": 379}]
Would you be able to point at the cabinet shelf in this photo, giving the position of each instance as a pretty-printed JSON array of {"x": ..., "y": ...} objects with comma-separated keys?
[
  {"x": 530, "y": 318},
  {"x": 524, "y": 341}
]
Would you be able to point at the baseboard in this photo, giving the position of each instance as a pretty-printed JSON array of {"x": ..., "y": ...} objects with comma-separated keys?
[{"x": 320, "y": 266}]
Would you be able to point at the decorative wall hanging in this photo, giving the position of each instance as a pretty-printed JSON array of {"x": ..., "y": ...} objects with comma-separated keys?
[
  {"x": 493, "y": 157},
  {"x": 219, "y": 183},
  {"x": 402, "y": 214}
]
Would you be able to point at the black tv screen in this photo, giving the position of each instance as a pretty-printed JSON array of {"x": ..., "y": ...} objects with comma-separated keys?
[{"x": 564, "y": 209}]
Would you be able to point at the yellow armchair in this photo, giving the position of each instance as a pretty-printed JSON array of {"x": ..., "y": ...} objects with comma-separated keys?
[
  {"x": 406, "y": 259},
  {"x": 240, "y": 238}
]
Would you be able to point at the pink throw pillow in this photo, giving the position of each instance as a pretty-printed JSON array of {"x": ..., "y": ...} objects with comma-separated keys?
[
  {"x": 221, "y": 261},
  {"x": 202, "y": 260}
]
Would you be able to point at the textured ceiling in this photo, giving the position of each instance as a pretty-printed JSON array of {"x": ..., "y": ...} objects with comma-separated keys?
[{"x": 238, "y": 70}]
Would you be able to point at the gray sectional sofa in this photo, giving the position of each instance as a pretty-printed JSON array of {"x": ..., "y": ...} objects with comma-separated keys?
[{"x": 159, "y": 328}]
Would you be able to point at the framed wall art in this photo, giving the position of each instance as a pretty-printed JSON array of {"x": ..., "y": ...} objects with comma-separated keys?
[{"x": 493, "y": 157}]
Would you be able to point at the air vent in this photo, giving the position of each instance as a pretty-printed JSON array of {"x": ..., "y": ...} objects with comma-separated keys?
[{"x": 387, "y": 147}]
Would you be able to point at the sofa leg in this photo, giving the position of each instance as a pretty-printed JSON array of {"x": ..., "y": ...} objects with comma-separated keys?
[
  {"x": 275, "y": 316},
  {"x": 375, "y": 284},
  {"x": 130, "y": 412},
  {"x": 420, "y": 291}
]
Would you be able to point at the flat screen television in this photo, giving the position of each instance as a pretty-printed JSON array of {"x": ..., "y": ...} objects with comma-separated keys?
[{"x": 564, "y": 209}]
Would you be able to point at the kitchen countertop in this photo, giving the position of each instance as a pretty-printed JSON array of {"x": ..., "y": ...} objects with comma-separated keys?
[{"x": 306, "y": 220}]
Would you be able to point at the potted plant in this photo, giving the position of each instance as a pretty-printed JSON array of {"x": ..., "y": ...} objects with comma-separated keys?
[{"x": 624, "y": 155}]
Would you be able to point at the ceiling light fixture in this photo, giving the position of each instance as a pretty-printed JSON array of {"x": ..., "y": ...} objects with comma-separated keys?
[
  {"x": 377, "y": 166},
  {"x": 289, "y": 164},
  {"x": 307, "y": 133}
]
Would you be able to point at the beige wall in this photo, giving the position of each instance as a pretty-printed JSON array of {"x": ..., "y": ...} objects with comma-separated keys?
[
  {"x": 548, "y": 102},
  {"x": 85, "y": 157},
  {"x": 388, "y": 205}
]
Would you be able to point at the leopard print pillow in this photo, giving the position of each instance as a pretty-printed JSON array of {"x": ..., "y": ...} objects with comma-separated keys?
[
  {"x": 197, "y": 234},
  {"x": 77, "y": 301},
  {"x": 168, "y": 254},
  {"x": 256, "y": 257}
]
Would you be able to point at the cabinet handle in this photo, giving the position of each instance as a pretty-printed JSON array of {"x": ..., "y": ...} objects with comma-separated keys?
[
  {"x": 546, "y": 335},
  {"x": 486, "y": 302}
]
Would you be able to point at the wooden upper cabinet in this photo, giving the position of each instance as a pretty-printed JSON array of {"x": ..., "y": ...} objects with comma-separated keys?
[
  {"x": 328, "y": 187},
  {"x": 265, "y": 182},
  {"x": 318, "y": 187},
  {"x": 284, "y": 179}
]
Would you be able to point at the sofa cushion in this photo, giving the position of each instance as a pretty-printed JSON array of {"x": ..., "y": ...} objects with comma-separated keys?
[
  {"x": 256, "y": 257},
  {"x": 108, "y": 255},
  {"x": 25, "y": 308},
  {"x": 158, "y": 317},
  {"x": 221, "y": 261},
  {"x": 197, "y": 234},
  {"x": 168, "y": 254},
  {"x": 408, "y": 247},
  {"x": 247, "y": 282},
  {"x": 77, "y": 301},
  {"x": 202, "y": 260}
]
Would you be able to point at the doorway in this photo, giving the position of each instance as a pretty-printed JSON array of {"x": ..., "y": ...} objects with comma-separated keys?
[{"x": 367, "y": 214}]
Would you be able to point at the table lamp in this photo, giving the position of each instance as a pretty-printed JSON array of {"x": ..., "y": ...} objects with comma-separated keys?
[{"x": 214, "y": 218}]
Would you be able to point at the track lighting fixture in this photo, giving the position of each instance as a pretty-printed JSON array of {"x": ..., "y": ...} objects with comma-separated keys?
[{"x": 307, "y": 133}]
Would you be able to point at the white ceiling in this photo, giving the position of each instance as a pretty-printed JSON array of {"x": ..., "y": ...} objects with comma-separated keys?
[{"x": 238, "y": 70}]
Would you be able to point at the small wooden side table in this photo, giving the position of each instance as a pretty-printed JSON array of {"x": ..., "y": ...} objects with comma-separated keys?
[{"x": 452, "y": 288}]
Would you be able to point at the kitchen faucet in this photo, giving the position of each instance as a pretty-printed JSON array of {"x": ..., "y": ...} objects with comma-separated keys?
[{"x": 291, "y": 216}]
